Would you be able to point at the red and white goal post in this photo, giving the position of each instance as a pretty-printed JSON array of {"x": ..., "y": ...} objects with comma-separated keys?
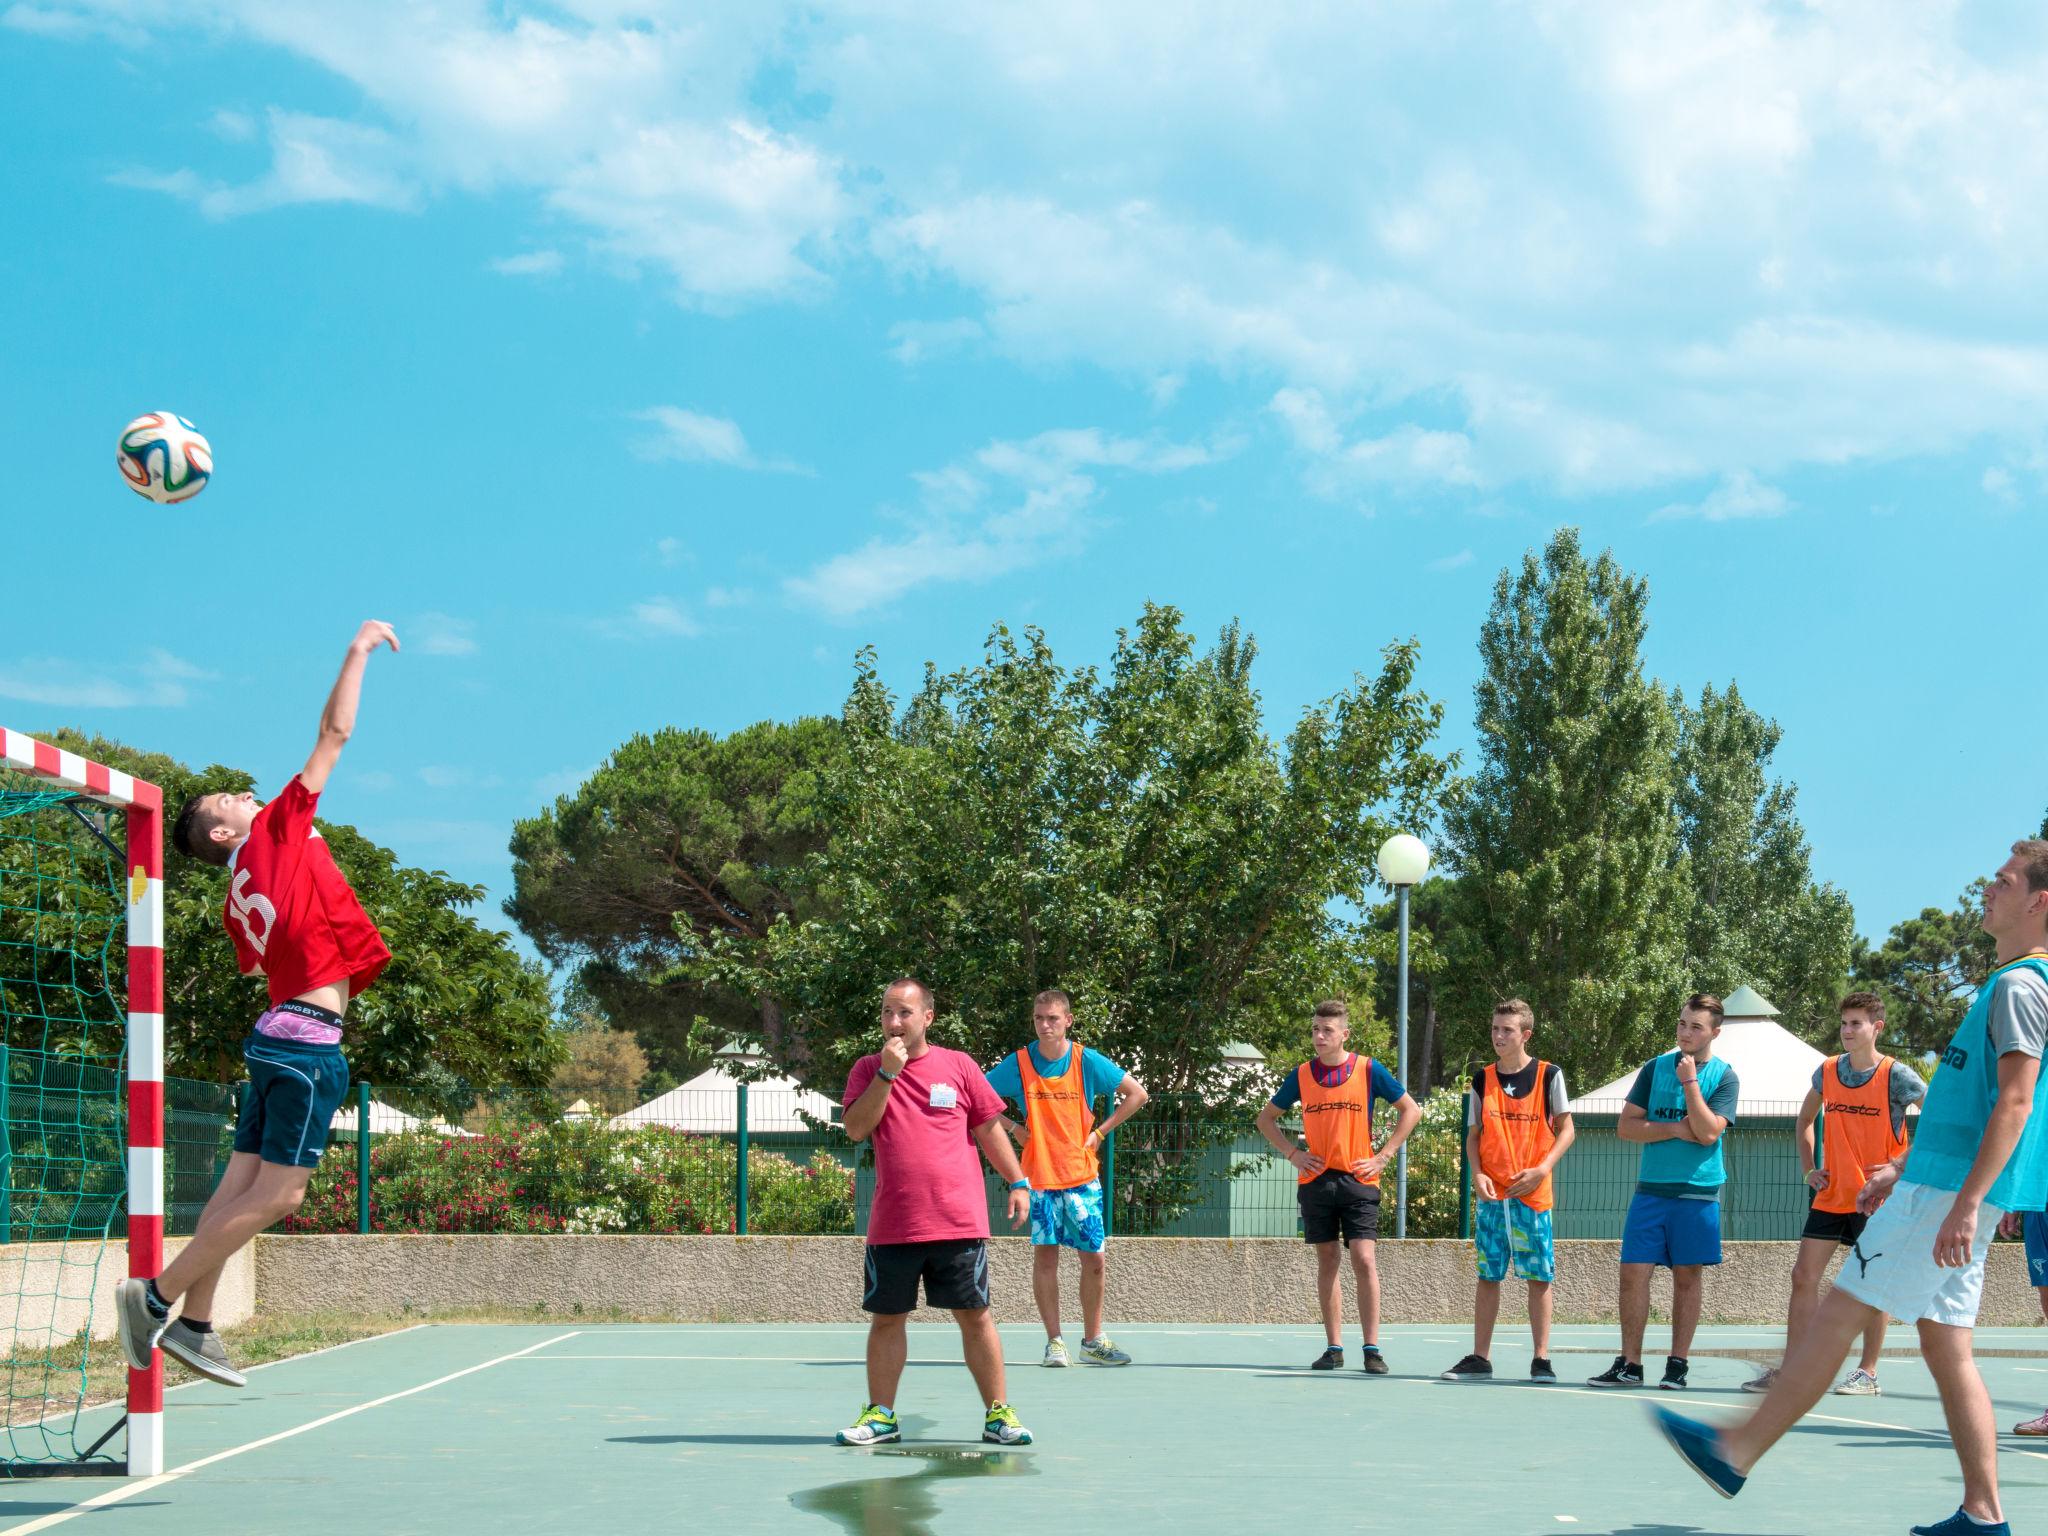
[{"x": 143, "y": 806}]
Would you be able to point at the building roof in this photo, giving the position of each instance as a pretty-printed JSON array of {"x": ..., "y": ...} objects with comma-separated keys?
[{"x": 708, "y": 1104}]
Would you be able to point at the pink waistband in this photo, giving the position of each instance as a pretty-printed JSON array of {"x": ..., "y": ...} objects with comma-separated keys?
[{"x": 284, "y": 1024}]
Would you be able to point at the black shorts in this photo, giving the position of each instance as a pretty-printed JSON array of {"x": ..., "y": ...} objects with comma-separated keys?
[
  {"x": 955, "y": 1275},
  {"x": 1332, "y": 1202},
  {"x": 1842, "y": 1227}
]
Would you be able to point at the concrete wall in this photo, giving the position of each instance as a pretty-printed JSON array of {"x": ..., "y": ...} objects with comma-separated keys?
[
  {"x": 817, "y": 1279},
  {"x": 59, "y": 1286}
]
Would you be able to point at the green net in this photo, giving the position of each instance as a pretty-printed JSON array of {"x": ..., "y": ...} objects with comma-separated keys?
[{"x": 63, "y": 1152}]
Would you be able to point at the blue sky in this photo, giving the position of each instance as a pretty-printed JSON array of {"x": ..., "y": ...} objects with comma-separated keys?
[{"x": 641, "y": 362}]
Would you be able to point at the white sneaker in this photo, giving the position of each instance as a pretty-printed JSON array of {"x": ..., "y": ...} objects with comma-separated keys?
[
  {"x": 1859, "y": 1383},
  {"x": 1056, "y": 1353}
]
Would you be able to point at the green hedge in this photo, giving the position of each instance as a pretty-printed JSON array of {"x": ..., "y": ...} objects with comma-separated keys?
[{"x": 566, "y": 1176}]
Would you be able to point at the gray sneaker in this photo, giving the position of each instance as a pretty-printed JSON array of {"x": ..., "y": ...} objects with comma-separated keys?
[
  {"x": 139, "y": 1327},
  {"x": 201, "y": 1352}
]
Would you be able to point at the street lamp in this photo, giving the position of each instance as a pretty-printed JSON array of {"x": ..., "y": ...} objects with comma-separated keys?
[{"x": 1403, "y": 861}]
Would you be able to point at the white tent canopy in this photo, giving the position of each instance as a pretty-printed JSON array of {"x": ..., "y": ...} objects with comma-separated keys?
[
  {"x": 1773, "y": 1066},
  {"x": 387, "y": 1121},
  {"x": 708, "y": 1104}
]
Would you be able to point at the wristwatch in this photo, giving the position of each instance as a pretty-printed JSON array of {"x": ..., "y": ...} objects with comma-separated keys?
[{"x": 887, "y": 1077}]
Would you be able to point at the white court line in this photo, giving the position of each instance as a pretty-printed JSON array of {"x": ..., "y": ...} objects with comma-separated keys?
[{"x": 143, "y": 1484}]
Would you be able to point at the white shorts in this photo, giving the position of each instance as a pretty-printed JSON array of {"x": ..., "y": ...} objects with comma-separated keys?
[{"x": 1891, "y": 1267}]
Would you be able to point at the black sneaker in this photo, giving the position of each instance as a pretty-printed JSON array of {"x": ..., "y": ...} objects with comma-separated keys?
[
  {"x": 1374, "y": 1363},
  {"x": 1674, "y": 1374},
  {"x": 1540, "y": 1369},
  {"x": 1331, "y": 1359},
  {"x": 1471, "y": 1368},
  {"x": 1623, "y": 1373}
]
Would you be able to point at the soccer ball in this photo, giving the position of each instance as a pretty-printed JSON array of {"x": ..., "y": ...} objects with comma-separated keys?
[{"x": 162, "y": 456}]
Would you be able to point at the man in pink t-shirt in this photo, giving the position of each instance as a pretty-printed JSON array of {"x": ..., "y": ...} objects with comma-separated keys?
[{"x": 926, "y": 1109}]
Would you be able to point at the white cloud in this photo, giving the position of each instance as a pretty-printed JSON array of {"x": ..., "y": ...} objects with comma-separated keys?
[
  {"x": 653, "y": 618},
  {"x": 728, "y": 597},
  {"x": 670, "y": 551},
  {"x": 1408, "y": 456},
  {"x": 529, "y": 264},
  {"x": 563, "y": 781},
  {"x": 235, "y": 127},
  {"x": 1459, "y": 561},
  {"x": 1739, "y": 496},
  {"x": 1998, "y": 484},
  {"x": 918, "y": 341},
  {"x": 312, "y": 160},
  {"x": 1012, "y": 506},
  {"x": 695, "y": 438},
  {"x": 439, "y": 634},
  {"x": 159, "y": 680}
]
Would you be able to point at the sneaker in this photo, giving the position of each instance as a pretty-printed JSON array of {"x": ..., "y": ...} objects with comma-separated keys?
[
  {"x": 1674, "y": 1374},
  {"x": 1960, "y": 1524},
  {"x": 2033, "y": 1426},
  {"x": 1623, "y": 1373},
  {"x": 1056, "y": 1353},
  {"x": 201, "y": 1352},
  {"x": 875, "y": 1426},
  {"x": 1471, "y": 1368},
  {"x": 1540, "y": 1369},
  {"x": 1103, "y": 1351},
  {"x": 1331, "y": 1359},
  {"x": 1001, "y": 1426},
  {"x": 1763, "y": 1381},
  {"x": 137, "y": 1322},
  {"x": 1700, "y": 1445},
  {"x": 1374, "y": 1363},
  {"x": 1860, "y": 1383}
]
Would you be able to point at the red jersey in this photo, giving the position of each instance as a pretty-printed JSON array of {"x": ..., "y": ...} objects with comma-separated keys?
[{"x": 290, "y": 911}]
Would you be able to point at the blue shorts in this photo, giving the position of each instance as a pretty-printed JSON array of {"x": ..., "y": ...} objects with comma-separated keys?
[
  {"x": 294, "y": 1089},
  {"x": 1069, "y": 1218},
  {"x": 1667, "y": 1230},
  {"x": 2035, "y": 1226},
  {"x": 1508, "y": 1234}
]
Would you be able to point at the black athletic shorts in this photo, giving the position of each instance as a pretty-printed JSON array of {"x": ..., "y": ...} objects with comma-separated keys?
[
  {"x": 955, "y": 1275},
  {"x": 1842, "y": 1227},
  {"x": 1334, "y": 1202}
]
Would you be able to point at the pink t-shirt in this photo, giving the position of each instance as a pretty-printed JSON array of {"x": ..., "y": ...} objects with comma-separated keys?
[{"x": 928, "y": 1180}]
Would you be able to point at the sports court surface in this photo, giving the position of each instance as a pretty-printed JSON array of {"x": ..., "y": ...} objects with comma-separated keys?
[{"x": 728, "y": 1430}]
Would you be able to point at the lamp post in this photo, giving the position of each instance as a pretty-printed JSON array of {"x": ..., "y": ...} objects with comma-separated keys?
[{"x": 1403, "y": 861}]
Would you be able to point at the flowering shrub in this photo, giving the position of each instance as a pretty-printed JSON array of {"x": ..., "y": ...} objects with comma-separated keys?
[{"x": 565, "y": 1176}]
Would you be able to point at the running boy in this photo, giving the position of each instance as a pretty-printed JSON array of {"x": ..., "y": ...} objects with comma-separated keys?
[
  {"x": 291, "y": 915},
  {"x": 1516, "y": 1132},
  {"x": 1338, "y": 1184},
  {"x": 1866, "y": 1097},
  {"x": 1678, "y": 1108},
  {"x": 1058, "y": 1142},
  {"x": 1980, "y": 1150}
]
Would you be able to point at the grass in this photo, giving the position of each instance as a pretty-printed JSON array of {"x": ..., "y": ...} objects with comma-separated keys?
[{"x": 265, "y": 1337}]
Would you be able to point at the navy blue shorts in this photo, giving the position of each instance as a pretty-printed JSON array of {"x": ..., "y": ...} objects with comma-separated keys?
[
  {"x": 2035, "y": 1227},
  {"x": 294, "y": 1089},
  {"x": 1673, "y": 1232}
]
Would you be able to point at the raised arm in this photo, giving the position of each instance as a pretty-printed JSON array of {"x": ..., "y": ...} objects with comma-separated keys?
[{"x": 338, "y": 719}]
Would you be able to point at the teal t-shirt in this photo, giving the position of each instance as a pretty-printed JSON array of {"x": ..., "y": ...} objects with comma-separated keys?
[
  {"x": 2009, "y": 1014},
  {"x": 1682, "y": 1169}
]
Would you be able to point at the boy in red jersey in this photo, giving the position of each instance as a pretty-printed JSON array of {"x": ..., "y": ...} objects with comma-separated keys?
[
  {"x": 290, "y": 914},
  {"x": 1339, "y": 1172}
]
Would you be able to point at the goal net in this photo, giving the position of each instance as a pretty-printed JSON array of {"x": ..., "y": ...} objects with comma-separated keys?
[{"x": 81, "y": 1106}]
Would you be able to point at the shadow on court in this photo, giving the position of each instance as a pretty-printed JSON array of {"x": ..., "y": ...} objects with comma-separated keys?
[{"x": 895, "y": 1505}]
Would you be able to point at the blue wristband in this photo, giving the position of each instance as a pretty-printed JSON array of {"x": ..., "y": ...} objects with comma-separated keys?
[{"x": 1017, "y": 1184}]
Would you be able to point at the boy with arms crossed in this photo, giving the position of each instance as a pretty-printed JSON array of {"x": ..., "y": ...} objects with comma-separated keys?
[
  {"x": 1980, "y": 1150},
  {"x": 1866, "y": 1097},
  {"x": 1057, "y": 1086},
  {"x": 1678, "y": 1109},
  {"x": 1516, "y": 1132},
  {"x": 291, "y": 915},
  {"x": 927, "y": 1108},
  {"x": 1338, "y": 1183}
]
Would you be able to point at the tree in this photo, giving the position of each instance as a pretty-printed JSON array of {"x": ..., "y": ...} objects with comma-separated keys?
[
  {"x": 678, "y": 838},
  {"x": 457, "y": 1013},
  {"x": 1565, "y": 840},
  {"x": 1753, "y": 912},
  {"x": 605, "y": 1066},
  {"x": 1927, "y": 970},
  {"x": 1135, "y": 839}
]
